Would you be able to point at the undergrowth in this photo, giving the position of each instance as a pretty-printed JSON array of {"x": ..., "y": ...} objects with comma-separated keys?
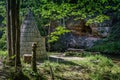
[
  {"x": 91, "y": 68},
  {"x": 108, "y": 47},
  {"x": 111, "y": 44}
]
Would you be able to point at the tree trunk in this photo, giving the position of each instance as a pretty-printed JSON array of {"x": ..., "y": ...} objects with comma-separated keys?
[
  {"x": 49, "y": 27},
  {"x": 13, "y": 32},
  {"x": 13, "y": 28},
  {"x": 8, "y": 31},
  {"x": 17, "y": 58}
]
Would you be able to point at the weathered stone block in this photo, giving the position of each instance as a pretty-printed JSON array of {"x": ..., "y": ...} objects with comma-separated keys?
[{"x": 27, "y": 58}]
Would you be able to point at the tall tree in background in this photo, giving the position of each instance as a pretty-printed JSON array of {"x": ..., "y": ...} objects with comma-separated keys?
[
  {"x": 8, "y": 30},
  {"x": 13, "y": 29},
  {"x": 17, "y": 59}
]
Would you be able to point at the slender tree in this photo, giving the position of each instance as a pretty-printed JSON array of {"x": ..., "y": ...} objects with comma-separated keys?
[
  {"x": 8, "y": 30},
  {"x": 13, "y": 28},
  {"x": 13, "y": 31},
  {"x": 17, "y": 59}
]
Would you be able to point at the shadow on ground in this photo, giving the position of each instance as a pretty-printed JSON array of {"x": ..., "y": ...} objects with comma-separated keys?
[{"x": 63, "y": 61}]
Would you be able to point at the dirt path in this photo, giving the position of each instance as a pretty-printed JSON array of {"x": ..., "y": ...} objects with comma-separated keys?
[
  {"x": 115, "y": 59},
  {"x": 66, "y": 58}
]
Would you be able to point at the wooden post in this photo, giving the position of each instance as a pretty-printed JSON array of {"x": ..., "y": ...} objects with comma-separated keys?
[{"x": 34, "y": 47}]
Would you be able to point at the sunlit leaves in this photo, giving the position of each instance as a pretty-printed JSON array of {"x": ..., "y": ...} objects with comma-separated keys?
[
  {"x": 2, "y": 8},
  {"x": 103, "y": 1},
  {"x": 54, "y": 11},
  {"x": 51, "y": 10},
  {"x": 97, "y": 19},
  {"x": 93, "y": 11},
  {"x": 54, "y": 36}
]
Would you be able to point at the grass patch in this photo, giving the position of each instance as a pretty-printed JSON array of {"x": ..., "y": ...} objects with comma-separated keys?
[
  {"x": 78, "y": 54},
  {"x": 91, "y": 68},
  {"x": 95, "y": 67},
  {"x": 3, "y": 54}
]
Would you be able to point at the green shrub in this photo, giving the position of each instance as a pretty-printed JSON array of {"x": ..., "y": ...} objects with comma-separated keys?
[
  {"x": 108, "y": 47},
  {"x": 90, "y": 68},
  {"x": 3, "y": 43},
  {"x": 78, "y": 54},
  {"x": 3, "y": 54},
  {"x": 111, "y": 44},
  {"x": 115, "y": 32}
]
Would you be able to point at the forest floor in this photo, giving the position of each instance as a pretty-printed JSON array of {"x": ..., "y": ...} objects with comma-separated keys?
[
  {"x": 95, "y": 67},
  {"x": 114, "y": 58},
  {"x": 66, "y": 58},
  {"x": 71, "y": 68},
  {"x": 3, "y": 72},
  {"x": 59, "y": 57}
]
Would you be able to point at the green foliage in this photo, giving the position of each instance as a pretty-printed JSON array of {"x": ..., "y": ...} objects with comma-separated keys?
[
  {"x": 3, "y": 57},
  {"x": 90, "y": 68},
  {"x": 3, "y": 54},
  {"x": 2, "y": 8},
  {"x": 48, "y": 10},
  {"x": 2, "y": 12},
  {"x": 3, "y": 45},
  {"x": 115, "y": 32},
  {"x": 111, "y": 44},
  {"x": 101, "y": 68},
  {"x": 78, "y": 54},
  {"x": 54, "y": 36},
  {"x": 107, "y": 47},
  {"x": 43, "y": 31},
  {"x": 30, "y": 74},
  {"x": 97, "y": 19},
  {"x": 94, "y": 11}
]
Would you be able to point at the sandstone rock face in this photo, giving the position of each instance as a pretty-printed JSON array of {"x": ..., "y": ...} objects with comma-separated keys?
[
  {"x": 101, "y": 30},
  {"x": 79, "y": 28},
  {"x": 82, "y": 36},
  {"x": 73, "y": 41}
]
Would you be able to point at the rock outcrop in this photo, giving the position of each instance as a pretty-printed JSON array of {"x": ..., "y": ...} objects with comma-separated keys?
[{"x": 82, "y": 36}]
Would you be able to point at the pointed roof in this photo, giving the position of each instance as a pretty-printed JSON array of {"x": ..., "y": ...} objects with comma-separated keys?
[{"x": 29, "y": 35}]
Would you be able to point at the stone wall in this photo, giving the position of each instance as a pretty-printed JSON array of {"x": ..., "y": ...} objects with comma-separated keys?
[{"x": 29, "y": 35}]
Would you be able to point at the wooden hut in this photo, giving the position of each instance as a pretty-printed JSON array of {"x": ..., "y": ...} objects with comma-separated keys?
[{"x": 29, "y": 35}]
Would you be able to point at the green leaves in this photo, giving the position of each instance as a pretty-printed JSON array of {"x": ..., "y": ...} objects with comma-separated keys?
[
  {"x": 103, "y": 1},
  {"x": 97, "y": 19},
  {"x": 54, "y": 36},
  {"x": 93, "y": 11},
  {"x": 54, "y": 11},
  {"x": 3, "y": 42},
  {"x": 51, "y": 10}
]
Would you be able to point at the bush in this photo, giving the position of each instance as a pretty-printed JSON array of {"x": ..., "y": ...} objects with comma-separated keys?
[
  {"x": 78, "y": 54},
  {"x": 110, "y": 44},
  {"x": 90, "y": 68},
  {"x": 3, "y": 41},
  {"x": 109, "y": 47}
]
